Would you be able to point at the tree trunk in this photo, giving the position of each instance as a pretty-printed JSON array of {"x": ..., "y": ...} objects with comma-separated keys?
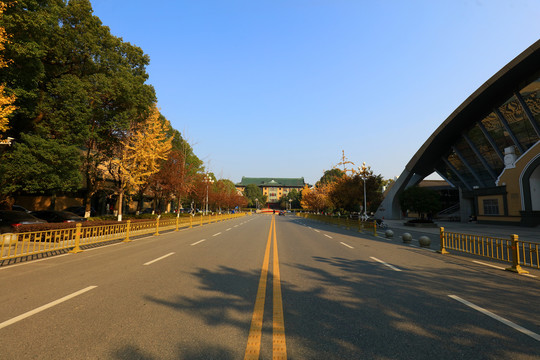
[
  {"x": 52, "y": 206},
  {"x": 120, "y": 201},
  {"x": 87, "y": 204}
]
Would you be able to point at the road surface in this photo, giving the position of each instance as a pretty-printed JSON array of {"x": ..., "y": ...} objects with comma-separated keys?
[{"x": 268, "y": 287}]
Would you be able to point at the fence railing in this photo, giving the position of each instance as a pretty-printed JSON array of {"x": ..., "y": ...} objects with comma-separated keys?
[
  {"x": 16, "y": 245},
  {"x": 511, "y": 250},
  {"x": 343, "y": 221}
]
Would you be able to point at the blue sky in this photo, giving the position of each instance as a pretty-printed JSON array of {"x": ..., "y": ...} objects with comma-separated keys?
[{"x": 278, "y": 88}]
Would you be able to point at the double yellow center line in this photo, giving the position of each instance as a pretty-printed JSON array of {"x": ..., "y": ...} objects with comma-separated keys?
[{"x": 279, "y": 348}]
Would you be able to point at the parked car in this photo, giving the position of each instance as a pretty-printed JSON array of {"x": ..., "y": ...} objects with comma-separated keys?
[
  {"x": 20, "y": 208},
  {"x": 80, "y": 210},
  {"x": 57, "y": 216},
  {"x": 10, "y": 220}
]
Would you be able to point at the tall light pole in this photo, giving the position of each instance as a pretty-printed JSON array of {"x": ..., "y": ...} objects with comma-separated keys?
[
  {"x": 208, "y": 180},
  {"x": 363, "y": 172}
]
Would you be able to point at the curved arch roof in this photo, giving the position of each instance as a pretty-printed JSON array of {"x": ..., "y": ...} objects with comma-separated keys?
[{"x": 504, "y": 85}]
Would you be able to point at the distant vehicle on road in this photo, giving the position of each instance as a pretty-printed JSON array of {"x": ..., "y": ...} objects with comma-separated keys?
[
  {"x": 282, "y": 213},
  {"x": 58, "y": 216},
  {"x": 11, "y": 220}
]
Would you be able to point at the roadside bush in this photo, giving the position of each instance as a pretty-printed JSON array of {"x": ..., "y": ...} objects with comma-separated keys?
[{"x": 59, "y": 226}]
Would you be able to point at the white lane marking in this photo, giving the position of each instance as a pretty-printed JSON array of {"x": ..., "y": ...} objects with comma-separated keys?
[
  {"x": 497, "y": 317},
  {"x": 219, "y": 233},
  {"x": 198, "y": 242},
  {"x": 483, "y": 263},
  {"x": 159, "y": 258},
  {"x": 316, "y": 230},
  {"x": 499, "y": 267},
  {"x": 228, "y": 229},
  {"x": 44, "y": 307},
  {"x": 328, "y": 236},
  {"x": 235, "y": 225},
  {"x": 347, "y": 245},
  {"x": 385, "y": 264}
]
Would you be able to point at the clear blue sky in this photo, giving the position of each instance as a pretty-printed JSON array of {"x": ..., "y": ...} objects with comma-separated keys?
[{"x": 278, "y": 88}]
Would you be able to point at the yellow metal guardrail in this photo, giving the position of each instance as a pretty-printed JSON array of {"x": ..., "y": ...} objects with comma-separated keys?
[
  {"x": 512, "y": 250},
  {"x": 17, "y": 245},
  {"x": 343, "y": 221}
]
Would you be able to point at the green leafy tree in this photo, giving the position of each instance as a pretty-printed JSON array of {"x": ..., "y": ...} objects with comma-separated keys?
[
  {"x": 182, "y": 145},
  {"x": 420, "y": 200},
  {"x": 38, "y": 165},
  {"x": 6, "y": 100},
  {"x": 253, "y": 193},
  {"x": 74, "y": 81},
  {"x": 331, "y": 176},
  {"x": 295, "y": 198}
]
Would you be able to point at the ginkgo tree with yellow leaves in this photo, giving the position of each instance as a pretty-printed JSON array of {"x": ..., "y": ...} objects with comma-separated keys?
[
  {"x": 142, "y": 151},
  {"x": 6, "y": 101},
  {"x": 317, "y": 198}
]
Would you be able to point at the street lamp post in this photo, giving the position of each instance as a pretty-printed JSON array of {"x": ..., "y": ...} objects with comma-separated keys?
[
  {"x": 208, "y": 180},
  {"x": 290, "y": 204}
]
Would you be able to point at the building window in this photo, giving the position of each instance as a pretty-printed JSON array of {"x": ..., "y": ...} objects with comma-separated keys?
[{"x": 491, "y": 207}]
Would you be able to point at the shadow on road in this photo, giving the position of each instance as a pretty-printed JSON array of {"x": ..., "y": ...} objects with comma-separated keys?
[
  {"x": 338, "y": 308},
  {"x": 130, "y": 352}
]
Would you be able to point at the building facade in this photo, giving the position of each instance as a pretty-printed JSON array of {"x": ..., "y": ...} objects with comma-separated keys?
[
  {"x": 488, "y": 148},
  {"x": 273, "y": 188}
]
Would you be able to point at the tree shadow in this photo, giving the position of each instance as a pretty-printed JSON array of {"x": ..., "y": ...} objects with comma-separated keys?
[
  {"x": 233, "y": 291},
  {"x": 130, "y": 352},
  {"x": 339, "y": 308}
]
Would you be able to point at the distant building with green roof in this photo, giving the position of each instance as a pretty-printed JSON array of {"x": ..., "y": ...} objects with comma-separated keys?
[{"x": 274, "y": 188}]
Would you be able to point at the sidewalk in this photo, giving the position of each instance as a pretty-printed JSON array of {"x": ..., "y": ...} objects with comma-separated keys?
[{"x": 531, "y": 234}]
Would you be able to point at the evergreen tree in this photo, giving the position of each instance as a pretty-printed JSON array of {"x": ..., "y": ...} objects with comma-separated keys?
[
  {"x": 6, "y": 100},
  {"x": 76, "y": 84}
]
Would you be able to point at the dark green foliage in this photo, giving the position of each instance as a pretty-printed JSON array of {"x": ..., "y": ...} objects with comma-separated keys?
[
  {"x": 295, "y": 196},
  {"x": 331, "y": 176},
  {"x": 38, "y": 165},
  {"x": 180, "y": 144},
  {"x": 252, "y": 192},
  {"x": 76, "y": 85},
  {"x": 420, "y": 200}
]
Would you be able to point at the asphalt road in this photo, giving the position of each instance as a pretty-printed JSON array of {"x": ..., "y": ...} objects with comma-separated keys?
[{"x": 192, "y": 294}]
